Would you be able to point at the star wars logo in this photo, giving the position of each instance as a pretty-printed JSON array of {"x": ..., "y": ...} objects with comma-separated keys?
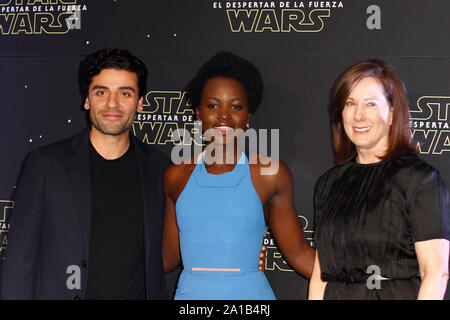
[
  {"x": 274, "y": 259},
  {"x": 430, "y": 124},
  {"x": 5, "y": 206},
  {"x": 282, "y": 16},
  {"x": 165, "y": 112},
  {"x": 39, "y": 16}
]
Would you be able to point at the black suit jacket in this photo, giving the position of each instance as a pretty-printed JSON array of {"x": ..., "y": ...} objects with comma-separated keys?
[{"x": 50, "y": 222}]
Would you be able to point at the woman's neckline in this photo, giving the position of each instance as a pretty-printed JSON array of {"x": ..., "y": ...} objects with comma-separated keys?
[
  {"x": 372, "y": 164},
  {"x": 240, "y": 161}
]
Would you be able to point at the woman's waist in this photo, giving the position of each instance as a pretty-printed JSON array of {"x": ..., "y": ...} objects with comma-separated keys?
[
  {"x": 222, "y": 274},
  {"x": 237, "y": 256},
  {"x": 360, "y": 276}
]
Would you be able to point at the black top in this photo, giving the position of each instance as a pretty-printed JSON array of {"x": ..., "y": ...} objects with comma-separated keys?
[
  {"x": 372, "y": 215},
  {"x": 116, "y": 267}
]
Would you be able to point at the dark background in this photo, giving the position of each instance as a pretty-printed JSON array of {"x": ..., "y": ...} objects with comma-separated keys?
[{"x": 41, "y": 103}]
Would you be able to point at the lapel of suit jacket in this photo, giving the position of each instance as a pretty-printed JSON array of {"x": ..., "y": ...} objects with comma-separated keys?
[
  {"x": 148, "y": 184},
  {"x": 152, "y": 197},
  {"x": 79, "y": 168}
]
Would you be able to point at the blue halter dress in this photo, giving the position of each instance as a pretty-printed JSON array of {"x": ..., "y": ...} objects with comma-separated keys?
[{"x": 221, "y": 227}]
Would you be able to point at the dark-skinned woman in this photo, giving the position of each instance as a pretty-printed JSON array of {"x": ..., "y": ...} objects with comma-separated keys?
[{"x": 218, "y": 205}]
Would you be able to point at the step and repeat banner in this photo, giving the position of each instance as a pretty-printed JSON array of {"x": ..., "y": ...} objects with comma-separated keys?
[{"x": 300, "y": 47}]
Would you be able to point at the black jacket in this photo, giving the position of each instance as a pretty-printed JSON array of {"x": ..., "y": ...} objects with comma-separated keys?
[{"x": 50, "y": 222}]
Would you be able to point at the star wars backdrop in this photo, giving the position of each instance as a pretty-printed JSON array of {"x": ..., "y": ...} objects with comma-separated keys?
[{"x": 300, "y": 48}]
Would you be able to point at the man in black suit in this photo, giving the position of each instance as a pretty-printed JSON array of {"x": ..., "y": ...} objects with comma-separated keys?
[{"x": 88, "y": 216}]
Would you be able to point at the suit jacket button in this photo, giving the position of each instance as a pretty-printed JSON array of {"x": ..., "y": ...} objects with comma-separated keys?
[
  {"x": 77, "y": 298},
  {"x": 83, "y": 263}
]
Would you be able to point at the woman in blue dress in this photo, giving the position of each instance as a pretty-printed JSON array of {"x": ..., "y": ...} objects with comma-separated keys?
[{"x": 217, "y": 209}]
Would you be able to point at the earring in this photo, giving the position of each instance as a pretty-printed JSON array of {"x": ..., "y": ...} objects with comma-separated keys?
[
  {"x": 247, "y": 125},
  {"x": 198, "y": 123}
]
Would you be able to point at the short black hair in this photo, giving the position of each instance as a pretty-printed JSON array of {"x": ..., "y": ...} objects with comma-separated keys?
[
  {"x": 115, "y": 58},
  {"x": 227, "y": 64}
]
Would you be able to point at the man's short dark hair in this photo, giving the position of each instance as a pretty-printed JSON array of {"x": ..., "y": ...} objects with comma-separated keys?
[
  {"x": 118, "y": 59},
  {"x": 227, "y": 64}
]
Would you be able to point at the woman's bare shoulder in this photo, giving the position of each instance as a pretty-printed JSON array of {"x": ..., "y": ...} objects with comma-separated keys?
[{"x": 270, "y": 167}]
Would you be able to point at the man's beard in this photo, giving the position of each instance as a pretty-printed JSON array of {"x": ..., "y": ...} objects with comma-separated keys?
[{"x": 113, "y": 129}]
